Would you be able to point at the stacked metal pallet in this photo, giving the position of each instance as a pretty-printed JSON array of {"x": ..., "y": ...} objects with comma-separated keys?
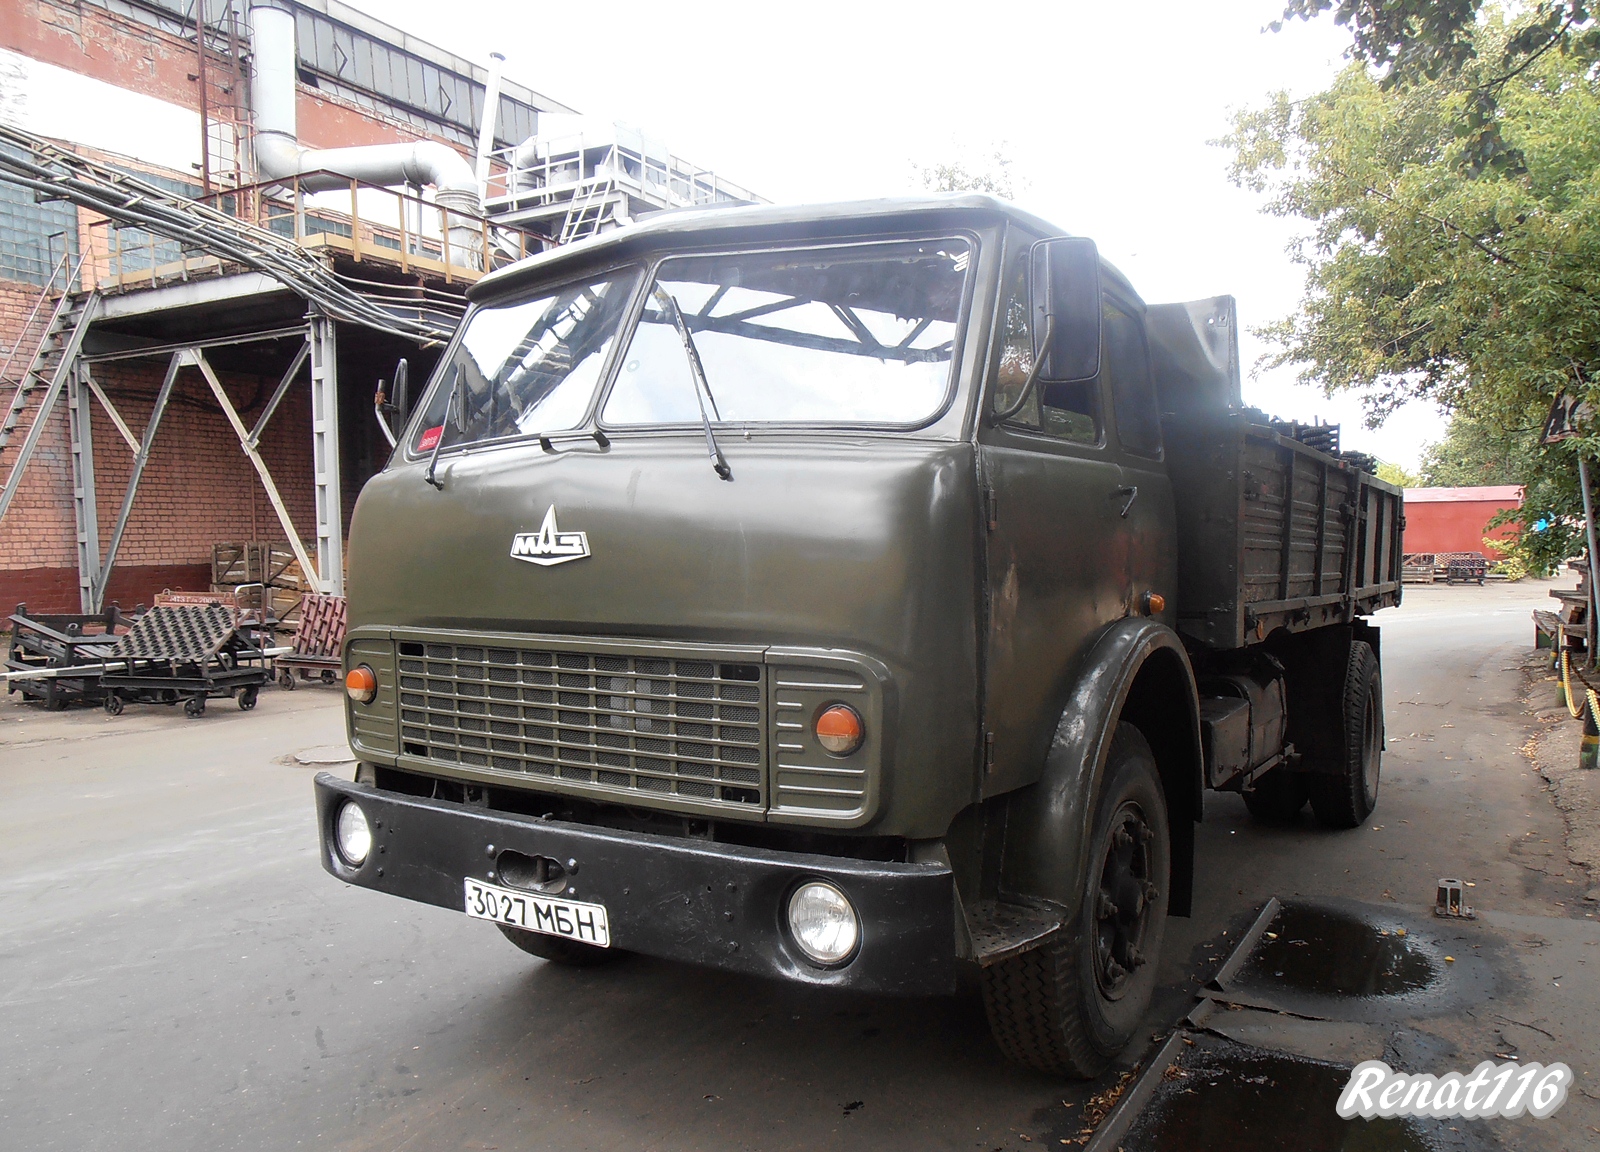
[{"x": 188, "y": 652}]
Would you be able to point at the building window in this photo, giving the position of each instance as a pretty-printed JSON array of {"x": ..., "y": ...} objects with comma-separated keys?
[{"x": 33, "y": 235}]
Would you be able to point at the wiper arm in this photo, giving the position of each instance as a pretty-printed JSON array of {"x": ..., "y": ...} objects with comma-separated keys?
[
  {"x": 433, "y": 459},
  {"x": 719, "y": 463}
]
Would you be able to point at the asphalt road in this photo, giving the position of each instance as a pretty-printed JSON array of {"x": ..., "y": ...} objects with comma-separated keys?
[{"x": 177, "y": 972}]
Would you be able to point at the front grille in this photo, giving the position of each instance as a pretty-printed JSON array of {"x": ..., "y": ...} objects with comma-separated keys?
[{"x": 653, "y": 725}]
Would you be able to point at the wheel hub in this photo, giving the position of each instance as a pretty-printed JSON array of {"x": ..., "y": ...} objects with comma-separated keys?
[{"x": 1123, "y": 901}]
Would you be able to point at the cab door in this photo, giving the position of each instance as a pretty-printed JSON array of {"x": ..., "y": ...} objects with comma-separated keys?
[
  {"x": 1149, "y": 525},
  {"x": 1057, "y": 545}
]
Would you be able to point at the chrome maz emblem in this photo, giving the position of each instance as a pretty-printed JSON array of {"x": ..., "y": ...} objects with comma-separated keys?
[{"x": 549, "y": 545}]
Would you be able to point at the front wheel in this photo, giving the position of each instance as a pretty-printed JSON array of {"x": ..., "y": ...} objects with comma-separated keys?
[
  {"x": 1070, "y": 1005},
  {"x": 568, "y": 953},
  {"x": 1345, "y": 797}
]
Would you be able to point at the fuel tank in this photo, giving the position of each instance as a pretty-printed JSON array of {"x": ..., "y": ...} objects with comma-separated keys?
[{"x": 867, "y": 544}]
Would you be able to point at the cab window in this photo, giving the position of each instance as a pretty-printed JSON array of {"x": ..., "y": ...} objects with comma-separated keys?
[
  {"x": 1066, "y": 411},
  {"x": 1126, "y": 359}
]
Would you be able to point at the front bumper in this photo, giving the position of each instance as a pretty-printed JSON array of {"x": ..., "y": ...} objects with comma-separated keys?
[{"x": 718, "y": 905}]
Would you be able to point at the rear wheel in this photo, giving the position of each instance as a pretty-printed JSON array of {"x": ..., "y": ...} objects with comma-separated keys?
[
  {"x": 568, "y": 953},
  {"x": 1346, "y": 796},
  {"x": 1070, "y": 1005},
  {"x": 1278, "y": 797}
]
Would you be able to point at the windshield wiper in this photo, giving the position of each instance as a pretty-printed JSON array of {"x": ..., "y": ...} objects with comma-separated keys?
[
  {"x": 433, "y": 458},
  {"x": 719, "y": 463}
]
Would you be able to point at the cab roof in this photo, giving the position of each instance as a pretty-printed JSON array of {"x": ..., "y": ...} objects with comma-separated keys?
[{"x": 774, "y": 222}]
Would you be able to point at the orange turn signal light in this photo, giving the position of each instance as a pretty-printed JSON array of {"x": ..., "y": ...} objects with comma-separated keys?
[
  {"x": 361, "y": 684},
  {"x": 1154, "y": 602},
  {"x": 839, "y": 729}
]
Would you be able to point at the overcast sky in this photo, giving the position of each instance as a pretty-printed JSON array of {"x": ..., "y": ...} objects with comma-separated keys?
[{"x": 1106, "y": 108}]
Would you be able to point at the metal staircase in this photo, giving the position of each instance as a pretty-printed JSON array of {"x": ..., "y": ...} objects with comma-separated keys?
[
  {"x": 54, "y": 361},
  {"x": 58, "y": 174},
  {"x": 34, "y": 335}
]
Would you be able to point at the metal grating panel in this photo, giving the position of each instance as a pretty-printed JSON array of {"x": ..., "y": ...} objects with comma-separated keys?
[
  {"x": 184, "y": 632},
  {"x": 653, "y": 725},
  {"x": 806, "y": 780}
]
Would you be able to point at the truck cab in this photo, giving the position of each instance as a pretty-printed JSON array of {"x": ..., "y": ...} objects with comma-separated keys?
[{"x": 801, "y": 591}]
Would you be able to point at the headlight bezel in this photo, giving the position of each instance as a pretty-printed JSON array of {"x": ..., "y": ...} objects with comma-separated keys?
[{"x": 805, "y": 942}]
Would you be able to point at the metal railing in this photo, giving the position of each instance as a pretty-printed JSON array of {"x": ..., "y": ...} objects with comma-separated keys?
[
  {"x": 367, "y": 222},
  {"x": 564, "y": 168}
]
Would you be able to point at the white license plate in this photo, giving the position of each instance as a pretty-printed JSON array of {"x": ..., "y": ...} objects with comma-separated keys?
[{"x": 585, "y": 923}]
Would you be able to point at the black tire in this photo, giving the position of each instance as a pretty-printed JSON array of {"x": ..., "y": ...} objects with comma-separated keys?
[
  {"x": 247, "y": 698},
  {"x": 1345, "y": 797},
  {"x": 286, "y": 679},
  {"x": 568, "y": 953},
  {"x": 112, "y": 704},
  {"x": 194, "y": 707},
  {"x": 1069, "y": 1006},
  {"x": 1278, "y": 797}
]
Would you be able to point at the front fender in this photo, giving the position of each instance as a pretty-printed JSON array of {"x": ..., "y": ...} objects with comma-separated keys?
[{"x": 1048, "y": 824}]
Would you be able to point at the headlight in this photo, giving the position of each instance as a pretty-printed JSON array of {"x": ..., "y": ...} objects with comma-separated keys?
[
  {"x": 361, "y": 684},
  {"x": 823, "y": 922},
  {"x": 352, "y": 835},
  {"x": 839, "y": 729}
]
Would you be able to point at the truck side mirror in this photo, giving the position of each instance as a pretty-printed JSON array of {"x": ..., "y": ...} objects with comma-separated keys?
[
  {"x": 392, "y": 405},
  {"x": 1064, "y": 300},
  {"x": 401, "y": 398}
]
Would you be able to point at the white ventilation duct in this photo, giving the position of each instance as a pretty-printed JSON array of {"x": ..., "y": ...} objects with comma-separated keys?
[{"x": 281, "y": 156}]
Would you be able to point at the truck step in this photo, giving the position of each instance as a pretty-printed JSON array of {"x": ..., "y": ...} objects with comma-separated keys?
[{"x": 1000, "y": 930}]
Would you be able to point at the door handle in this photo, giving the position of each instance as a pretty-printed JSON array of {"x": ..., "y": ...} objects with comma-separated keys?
[{"x": 1131, "y": 491}]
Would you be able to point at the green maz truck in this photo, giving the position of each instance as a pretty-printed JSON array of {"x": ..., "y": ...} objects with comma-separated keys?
[{"x": 861, "y": 595}]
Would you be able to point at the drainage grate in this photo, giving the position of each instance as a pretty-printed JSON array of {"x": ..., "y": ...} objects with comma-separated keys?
[{"x": 652, "y": 725}]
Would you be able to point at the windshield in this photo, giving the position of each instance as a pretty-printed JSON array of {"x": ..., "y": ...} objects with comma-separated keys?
[
  {"x": 862, "y": 334},
  {"x": 525, "y": 368}
]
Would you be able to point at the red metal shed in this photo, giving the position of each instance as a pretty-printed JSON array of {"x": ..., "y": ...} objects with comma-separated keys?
[{"x": 1456, "y": 519}]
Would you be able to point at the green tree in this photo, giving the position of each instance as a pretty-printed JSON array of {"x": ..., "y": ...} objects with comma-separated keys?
[
  {"x": 1405, "y": 41},
  {"x": 989, "y": 169},
  {"x": 1479, "y": 290},
  {"x": 1396, "y": 475},
  {"x": 1477, "y": 452}
]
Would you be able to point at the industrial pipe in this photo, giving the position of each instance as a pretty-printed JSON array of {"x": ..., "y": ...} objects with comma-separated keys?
[
  {"x": 281, "y": 156},
  {"x": 486, "y": 123}
]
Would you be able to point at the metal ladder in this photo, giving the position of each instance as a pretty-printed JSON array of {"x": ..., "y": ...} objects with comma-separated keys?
[
  {"x": 587, "y": 212},
  {"x": 56, "y": 358}
]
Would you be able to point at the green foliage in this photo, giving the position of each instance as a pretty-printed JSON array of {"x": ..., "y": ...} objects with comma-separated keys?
[
  {"x": 1477, "y": 452},
  {"x": 1478, "y": 291},
  {"x": 1512, "y": 567},
  {"x": 987, "y": 171},
  {"x": 1396, "y": 475},
  {"x": 1414, "y": 41},
  {"x": 1538, "y": 553}
]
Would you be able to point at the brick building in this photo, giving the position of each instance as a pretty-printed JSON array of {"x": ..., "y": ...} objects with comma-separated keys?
[{"x": 233, "y": 105}]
